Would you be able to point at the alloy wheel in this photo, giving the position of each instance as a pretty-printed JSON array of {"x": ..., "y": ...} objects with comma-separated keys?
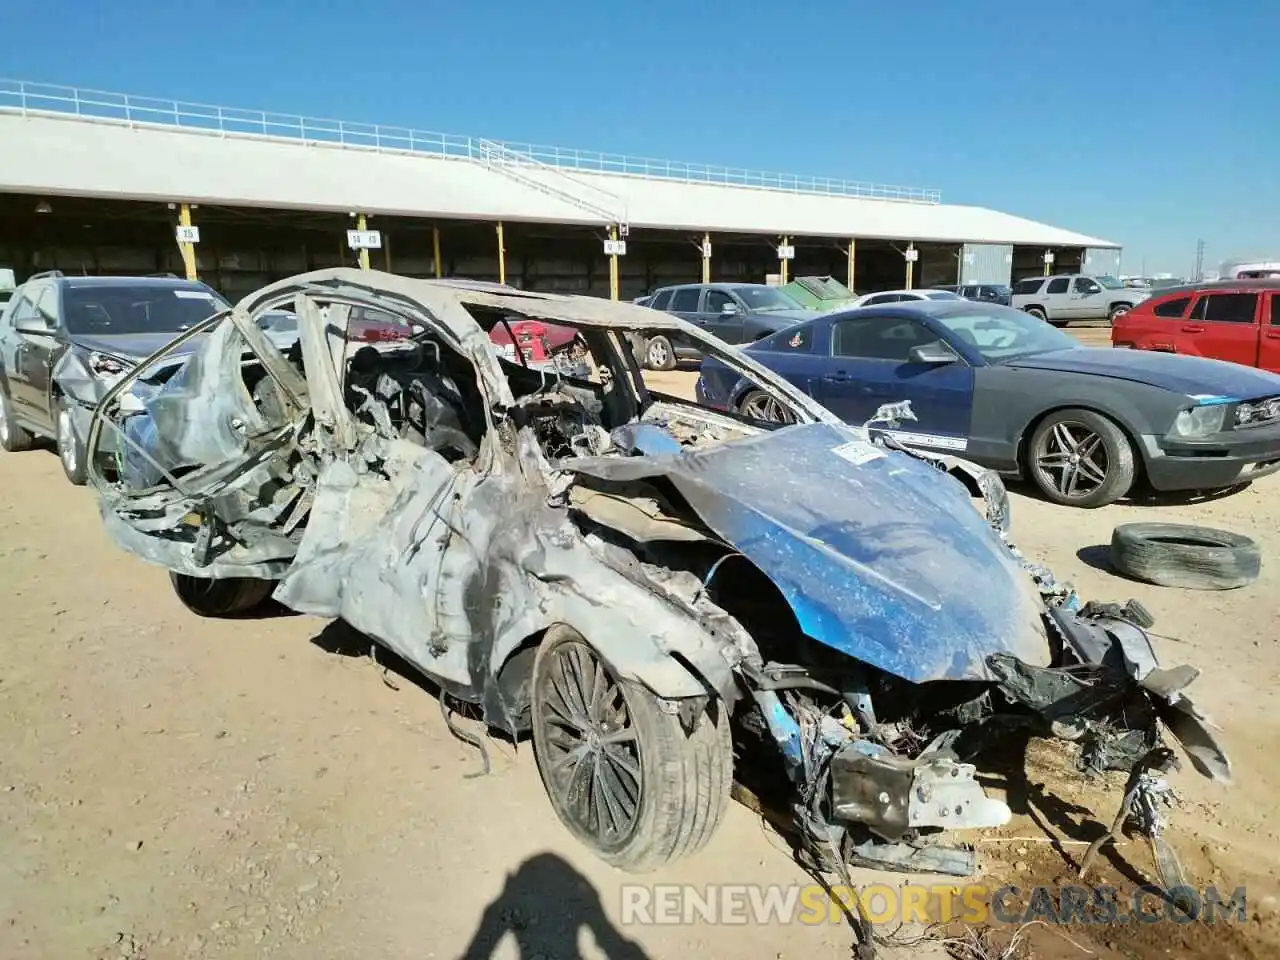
[
  {"x": 594, "y": 763},
  {"x": 1074, "y": 459},
  {"x": 658, "y": 353},
  {"x": 760, "y": 406},
  {"x": 67, "y": 440}
]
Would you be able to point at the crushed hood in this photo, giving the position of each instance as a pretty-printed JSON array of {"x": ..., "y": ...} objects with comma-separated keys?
[
  {"x": 1193, "y": 376},
  {"x": 878, "y": 554}
]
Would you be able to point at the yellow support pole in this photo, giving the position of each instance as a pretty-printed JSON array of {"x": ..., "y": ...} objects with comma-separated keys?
[
  {"x": 853, "y": 246},
  {"x": 386, "y": 252},
  {"x": 706, "y": 259},
  {"x": 613, "y": 266},
  {"x": 911, "y": 266},
  {"x": 435, "y": 250},
  {"x": 1048, "y": 264},
  {"x": 188, "y": 249},
  {"x": 362, "y": 224},
  {"x": 502, "y": 256},
  {"x": 786, "y": 242}
]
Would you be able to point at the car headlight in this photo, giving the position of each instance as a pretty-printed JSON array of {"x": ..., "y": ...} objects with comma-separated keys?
[
  {"x": 104, "y": 364},
  {"x": 1200, "y": 421},
  {"x": 1259, "y": 411}
]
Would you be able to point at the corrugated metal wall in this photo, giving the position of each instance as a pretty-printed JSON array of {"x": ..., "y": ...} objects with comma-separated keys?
[
  {"x": 986, "y": 263},
  {"x": 1101, "y": 262}
]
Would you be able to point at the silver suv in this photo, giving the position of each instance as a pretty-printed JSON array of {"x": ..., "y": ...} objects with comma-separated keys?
[{"x": 1075, "y": 296}]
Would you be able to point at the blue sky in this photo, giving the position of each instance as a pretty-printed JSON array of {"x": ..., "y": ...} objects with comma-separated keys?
[{"x": 1152, "y": 124}]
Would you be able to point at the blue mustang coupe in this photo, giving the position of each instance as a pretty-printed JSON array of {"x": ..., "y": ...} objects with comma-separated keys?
[{"x": 1007, "y": 390}]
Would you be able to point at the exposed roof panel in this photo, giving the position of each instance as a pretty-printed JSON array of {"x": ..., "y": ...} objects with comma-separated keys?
[{"x": 59, "y": 155}]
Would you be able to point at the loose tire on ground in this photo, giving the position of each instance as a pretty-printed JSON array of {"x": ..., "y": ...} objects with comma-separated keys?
[
  {"x": 13, "y": 438},
  {"x": 1183, "y": 555},
  {"x": 1100, "y": 440},
  {"x": 683, "y": 782},
  {"x": 221, "y": 598},
  {"x": 659, "y": 354}
]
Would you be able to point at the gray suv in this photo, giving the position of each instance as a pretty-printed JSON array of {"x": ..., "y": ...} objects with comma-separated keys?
[
  {"x": 65, "y": 340},
  {"x": 734, "y": 312},
  {"x": 1075, "y": 296}
]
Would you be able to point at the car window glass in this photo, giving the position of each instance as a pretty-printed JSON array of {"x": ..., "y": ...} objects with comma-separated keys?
[
  {"x": 1275, "y": 309},
  {"x": 24, "y": 311},
  {"x": 685, "y": 300},
  {"x": 661, "y": 300},
  {"x": 1027, "y": 286},
  {"x": 1058, "y": 285},
  {"x": 1171, "y": 308},
  {"x": 716, "y": 301},
  {"x": 799, "y": 340},
  {"x": 1226, "y": 308},
  {"x": 47, "y": 308},
  {"x": 878, "y": 338},
  {"x": 1086, "y": 286}
]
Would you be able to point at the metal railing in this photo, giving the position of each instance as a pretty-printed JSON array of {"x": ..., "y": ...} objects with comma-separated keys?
[{"x": 25, "y": 97}]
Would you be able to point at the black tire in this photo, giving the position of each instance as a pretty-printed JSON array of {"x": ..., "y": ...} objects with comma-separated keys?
[
  {"x": 70, "y": 446},
  {"x": 679, "y": 782},
  {"x": 1100, "y": 444},
  {"x": 1117, "y": 310},
  {"x": 758, "y": 405},
  {"x": 230, "y": 597},
  {"x": 13, "y": 437},
  {"x": 1036, "y": 312},
  {"x": 659, "y": 354},
  {"x": 1183, "y": 555}
]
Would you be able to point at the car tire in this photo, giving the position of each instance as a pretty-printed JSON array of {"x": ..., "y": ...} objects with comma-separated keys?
[
  {"x": 13, "y": 437},
  {"x": 658, "y": 789},
  {"x": 1183, "y": 555},
  {"x": 228, "y": 597},
  {"x": 70, "y": 446},
  {"x": 1117, "y": 310},
  {"x": 758, "y": 405},
  {"x": 1104, "y": 461},
  {"x": 1036, "y": 312},
  {"x": 659, "y": 354}
]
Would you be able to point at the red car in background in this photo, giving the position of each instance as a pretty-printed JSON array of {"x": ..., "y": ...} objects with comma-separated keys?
[{"x": 1236, "y": 320}]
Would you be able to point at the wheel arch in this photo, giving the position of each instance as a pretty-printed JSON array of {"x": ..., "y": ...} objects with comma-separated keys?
[{"x": 1130, "y": 434}]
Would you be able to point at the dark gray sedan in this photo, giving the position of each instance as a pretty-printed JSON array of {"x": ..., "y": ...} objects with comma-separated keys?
[
  {"x": 1007, "y": 390},
  {"x": 734, "y": 312}
]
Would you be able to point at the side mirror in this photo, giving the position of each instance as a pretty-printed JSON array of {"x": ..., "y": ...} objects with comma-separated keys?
[
  {"x": 933, "y": 353},
  {"x": 729, "y": 309}
]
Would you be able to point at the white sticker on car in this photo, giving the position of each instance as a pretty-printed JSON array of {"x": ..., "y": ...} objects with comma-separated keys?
[
  {"x": 193, "y": 295},
  {"x": 929, "y": 440},
  {"x": 857, "y": 452}
]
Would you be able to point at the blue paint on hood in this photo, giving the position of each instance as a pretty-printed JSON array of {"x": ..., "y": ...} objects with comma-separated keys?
[{"x": 879, "y": 555}]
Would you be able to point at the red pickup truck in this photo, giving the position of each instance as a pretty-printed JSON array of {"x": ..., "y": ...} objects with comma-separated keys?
[{"x": 1236, "y": 320}]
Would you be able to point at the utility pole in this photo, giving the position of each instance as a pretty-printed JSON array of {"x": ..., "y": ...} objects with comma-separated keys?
[{"x": 1199, "y": 274}]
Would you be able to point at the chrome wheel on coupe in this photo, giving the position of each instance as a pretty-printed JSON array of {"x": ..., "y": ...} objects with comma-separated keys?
[
  {"x": 623, "y": 773},
  {"x": 1081, "y": 458}
]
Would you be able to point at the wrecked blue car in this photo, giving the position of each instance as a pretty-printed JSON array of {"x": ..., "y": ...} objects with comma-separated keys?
[{"x": 668, "y": 599}]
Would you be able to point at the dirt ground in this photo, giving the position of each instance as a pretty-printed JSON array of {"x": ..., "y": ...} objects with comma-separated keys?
[{"x": 173, "y": 787}]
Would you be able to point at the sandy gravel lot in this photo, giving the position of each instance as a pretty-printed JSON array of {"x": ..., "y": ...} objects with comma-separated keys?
[{"x": 172, "y": 787}]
